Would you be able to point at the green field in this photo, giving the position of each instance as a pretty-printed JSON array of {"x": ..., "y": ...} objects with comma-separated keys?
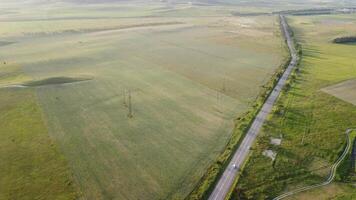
[
  {"x": 67, "y": 71},
  {"x": 310, "y": 122},
  {"x": 189, "y": 78},
  {"x": 31, "y": 165}
]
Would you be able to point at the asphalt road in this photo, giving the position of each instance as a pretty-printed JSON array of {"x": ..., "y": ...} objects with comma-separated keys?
[{"x": 227, "y": 179}]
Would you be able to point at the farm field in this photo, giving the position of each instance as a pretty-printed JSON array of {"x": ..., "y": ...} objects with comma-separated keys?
[
  {"x": 310, "y": 123},
  {"x": 32, "y": 166},
  {"x": 188, "y": 79},
  {"x": 334, "y": 191},
  {"x": 342, "y": 91}
]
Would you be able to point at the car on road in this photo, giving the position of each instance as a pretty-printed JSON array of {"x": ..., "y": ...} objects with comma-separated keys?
[{"x": 234, "y": 166}]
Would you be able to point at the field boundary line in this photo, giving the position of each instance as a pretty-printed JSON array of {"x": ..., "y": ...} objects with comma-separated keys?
[{"x": 331, "y": 174}]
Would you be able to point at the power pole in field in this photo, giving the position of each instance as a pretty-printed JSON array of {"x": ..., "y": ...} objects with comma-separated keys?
[
  {"x": 124, "y": 94},
  {"x": 130, "y": 115},
  {"x": 217, "y": 99},
  {"x": 224, "y": 85}
]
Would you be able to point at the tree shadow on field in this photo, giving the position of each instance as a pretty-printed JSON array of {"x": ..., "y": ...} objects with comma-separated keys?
[
  {"x": 312, "y": 53},
  {"x": 298, "y": 81},
  {"x": 297, "y": 89},
  {"x": 293, "y": 113},
  {"x": 302, "y": 71}
]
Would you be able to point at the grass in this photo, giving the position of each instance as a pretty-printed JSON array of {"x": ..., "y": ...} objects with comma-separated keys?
[
  {"x": 342, "y": 189},
  {"x": 345, "y": 171},
  {"x": 11, "y": 74},
  {"x": 31, "y": 165},
  {"x": 188, "y": 82},
  {"x": 336, "y": 191},
  {"x": 310, "y": 121}
]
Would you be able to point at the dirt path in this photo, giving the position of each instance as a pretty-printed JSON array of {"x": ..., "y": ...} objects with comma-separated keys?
[{"x": 331, "y": 174}]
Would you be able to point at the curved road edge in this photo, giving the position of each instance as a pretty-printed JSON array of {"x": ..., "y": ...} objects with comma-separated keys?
[
  {"x": 228, "y": 177},
  {"x": 331, "y": 174}
]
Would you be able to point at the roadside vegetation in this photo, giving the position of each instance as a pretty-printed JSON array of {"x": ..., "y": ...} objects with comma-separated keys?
[
  {"x": 346, "y": 171},
  {"x": 310, "y": 122},
  {"x": 242, "y": 124}
]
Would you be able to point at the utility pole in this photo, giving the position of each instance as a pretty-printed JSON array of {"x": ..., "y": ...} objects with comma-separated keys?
[
  {"x": 224, "y": 85},
  {"x": 130, "y": 115},
  {"x": 125, "y": 103},
  {"x": 217, "y": 100}
]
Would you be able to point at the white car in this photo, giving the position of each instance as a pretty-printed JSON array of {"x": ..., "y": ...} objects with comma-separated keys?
[{"x": 234, "y": 166}]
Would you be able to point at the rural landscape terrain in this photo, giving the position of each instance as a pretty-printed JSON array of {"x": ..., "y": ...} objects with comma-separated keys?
[{"x": 173, "y": 99}]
